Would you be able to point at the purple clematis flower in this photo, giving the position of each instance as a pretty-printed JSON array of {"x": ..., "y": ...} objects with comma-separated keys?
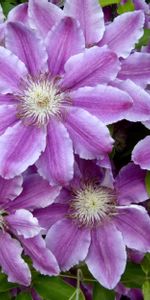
[
  {"x": 54, "y": 98},
  {"x": 94, "y": 223},
  {"x": 18, "y": 224},
  {"x": 130, "y": 293}
]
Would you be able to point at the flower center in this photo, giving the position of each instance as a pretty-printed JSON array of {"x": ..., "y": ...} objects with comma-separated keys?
[
  {"x": 40, "y": 101},
  {"x": 91, "y": 204}
]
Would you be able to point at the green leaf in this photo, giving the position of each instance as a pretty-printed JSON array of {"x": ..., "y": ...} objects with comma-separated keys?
[
  {"x": 145, "y": 39},
  {"x": 133, "y": 276},
  {"x": 7, "y": 6},
  {"x": 5, "y": 285},
  {"x": 100, "y": 292},
  {"x": 146, "y": 290},
  {"x": 145, "y": 265},
  {"x": 104, "y": 3},
  {"x": 147, "y": 182},
  {"x": 128, "y": 6},
  {"x": 5, "y": 296},
  {"x": 54, "y": 288},
  {"x": 24, "y": 296},
  {"x": 77, "y": 295}
]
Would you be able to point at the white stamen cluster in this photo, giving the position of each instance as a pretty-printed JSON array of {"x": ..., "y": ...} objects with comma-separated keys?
[
  {"x": 40, "y": 101},
  {"x": 91, "y": 204}
]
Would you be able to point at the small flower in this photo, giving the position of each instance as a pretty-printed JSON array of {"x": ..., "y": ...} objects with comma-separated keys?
[
  {"x": 94, "y": 223},
  {"x": 19, "y": 229}
]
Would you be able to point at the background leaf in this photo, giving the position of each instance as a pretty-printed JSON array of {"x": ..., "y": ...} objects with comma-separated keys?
[
  {"x": 104, "y": 3},
  {"x": 133, "y": 276},
  {"x": 24, "y": 296},
  {"x": 128, "y": 6},
  {"x": 147, "y": 182},
  {"x": 146, "y": 290},
  {"x": 100, "y": 292},
  {"x": 145, "y": 39},
  {"x": 54, "y": 288}
]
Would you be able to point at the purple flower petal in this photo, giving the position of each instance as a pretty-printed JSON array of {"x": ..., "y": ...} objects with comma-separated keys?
[
  {"x": 134, "y": 223},
  {"x": 20, "y": 147},
  {"x": 141, "y": 153},
  {"x": 107, "y": 256},
  {"x": 122, "y": 34},
  {"x": 107, "y": 103},
  {"x": 90, "y": 16},
  {"x": 12, "y": 71},
  {"x": 146, "y": 124},
  {"x": 10, "y": 189},
  {"x": 8, "y": 99},
  {"x": 27, "y": 47},
  {"x": 23, "y": 223},
  {"x": 68, "y": 242},
  {"x": 19, "y": 13},
  {"x": 43, "y": 260},
  {"x": 11, "y": 261},
  {"x": 137, "y": 68},
  {"x": 44, "y": 15},
  {"x": 51, "y": 214},
  {"x": 91, "y": 138},
  {"x": 56, "y": 163},
  {"x": 140, "y": 110},
  {"x": 96, "y": 65},
  {"x": 7, "y": 117},
  {"x": 63, "y": 41},
  {"x": 130, "y": 185},
  {"x": 37, "y": 193}
]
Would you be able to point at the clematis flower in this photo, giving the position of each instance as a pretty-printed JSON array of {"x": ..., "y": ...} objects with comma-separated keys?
[
  {"x": 130, "y": 293},
  {"x": 20, "y": 230},
  {"x": 54, "y": 100},
  {"x": 94, "y": 223}
]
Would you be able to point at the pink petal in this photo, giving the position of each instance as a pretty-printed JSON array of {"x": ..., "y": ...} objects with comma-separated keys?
[
  {"x": 12, "y": 262},
  {"x": 134, "y": 223},
  {"x": 51, "y": 214},
  {"x": 37, "y": 193},
  {"x": 23, "y": 223},
  {"x": 91, "y": 138},
  {"x": 7, "y": 116},
  {"x": 20, "y": 147},
  {"x": 137, "y": 68},
  {"x": 107, "y": 256},
  {"x": 19, "y": 13},
  {"x": 44, "y": 15},
  {"x": 141, "y": 153},
  {"x": 107, "y": 103},
  {"x": 124, "y": 32},
  {"x": 140, "y": 110},
  {"x": 90, "y": 16},
  {"x": 63, "y": 41},
  {"x": 96, "y": 65},
  {"x": 10, "y": 189},
  {"x": 12, "y": 72},
  {"x": 27, "y": 47},
  {"x": 43, "y": 260},
  {"x": 146, "y": 124},
  {"x": 68, "y": 242},
  {"x": 8, "y": 99},
  {"x": 56, "y": 163},
  {"x": 130, "y": 185}
]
